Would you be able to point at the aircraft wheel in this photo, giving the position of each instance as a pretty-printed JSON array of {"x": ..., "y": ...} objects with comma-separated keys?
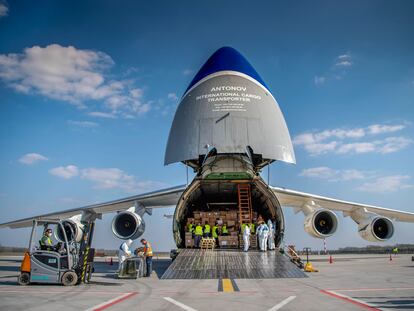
[
  {"x": 69, "y": 278},
  {"x": 23, "y": 278}
]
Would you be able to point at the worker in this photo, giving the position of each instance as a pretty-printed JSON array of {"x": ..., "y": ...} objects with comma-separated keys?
[
  {"x": 252, "y": 228},
  {"x": 271, "y": 235},
  {"x": 262, "y": 232},
  {"x": 45, "y": 242},
  {"x": 207, "y": 231},
  {"x": 214, "y": 231},
  {"x": 224, "y": 230},
  {"x": 246, "y": 237},
  {"x": 124, "y": 253},
  {"x": 198, "y": 234},
  {"x": 148, "y": 256},
  {"x": 190, "y": 227}
]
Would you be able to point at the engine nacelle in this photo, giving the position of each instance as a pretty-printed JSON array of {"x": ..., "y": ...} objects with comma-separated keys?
[
  {"x": 321, "y": 223},
  {"x": 73, "y": 229},
  {"x": 128, "y": 225},
  {"x": 376, "y": 229}
]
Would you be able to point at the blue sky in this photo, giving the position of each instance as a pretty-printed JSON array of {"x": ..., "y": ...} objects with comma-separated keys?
[{"x": 88, "y": 91}]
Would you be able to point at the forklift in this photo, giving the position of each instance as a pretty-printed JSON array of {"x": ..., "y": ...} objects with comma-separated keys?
[{"x": 68, "y": 264}]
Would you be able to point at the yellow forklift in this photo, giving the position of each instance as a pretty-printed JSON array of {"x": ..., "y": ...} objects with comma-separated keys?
[{"x": 68, "y": 263}]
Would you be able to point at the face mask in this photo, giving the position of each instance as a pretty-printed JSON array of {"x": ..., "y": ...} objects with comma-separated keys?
[{"x": 49, "y": 235}]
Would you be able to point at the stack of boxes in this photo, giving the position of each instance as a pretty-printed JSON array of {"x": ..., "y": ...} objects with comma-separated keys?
[
  {"x": 230, "y": 217},
  {"x": 220, "y": 217}
]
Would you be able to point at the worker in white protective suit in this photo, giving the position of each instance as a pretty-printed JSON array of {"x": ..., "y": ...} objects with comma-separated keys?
[
  {"x": 271, "y": 239},
  {"x": 124, "y": 252},
  {"x": 246, "y": 237},
  {"x": 263, "y": 232}
]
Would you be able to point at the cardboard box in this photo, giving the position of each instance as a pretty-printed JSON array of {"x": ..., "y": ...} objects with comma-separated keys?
[
  {"x": 188, "y": 235},
  {"x": 189, "y": 242},
  {"x": 231, "y": 223},
  {"x": 190, "y": 220}
]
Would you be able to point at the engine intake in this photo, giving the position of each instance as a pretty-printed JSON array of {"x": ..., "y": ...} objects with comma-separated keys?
[
  {"x": 321, "y": 223},
  {"x": 376, "y": 229},
  {"x": 73, "y": 229},
  {"x": 128, "y": 225}
]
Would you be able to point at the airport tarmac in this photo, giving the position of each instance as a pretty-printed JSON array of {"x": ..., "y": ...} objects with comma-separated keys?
[{"x": 351, "y": 282}]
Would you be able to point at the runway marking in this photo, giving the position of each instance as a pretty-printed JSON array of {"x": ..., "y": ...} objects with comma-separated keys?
[
  {"x": 111, "y": 302},
  {"x": 227, "y": 286},
  {"x": 28, "y": 291},
  {"x": 282, "y": 303},
  {"x": 355, "y": 301},
  {"x": 372, "y": 289},
  {"x": 179, "y": 304}
]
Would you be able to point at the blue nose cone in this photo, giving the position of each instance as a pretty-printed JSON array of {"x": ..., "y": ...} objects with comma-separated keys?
[{"x": 226, "y": 58}]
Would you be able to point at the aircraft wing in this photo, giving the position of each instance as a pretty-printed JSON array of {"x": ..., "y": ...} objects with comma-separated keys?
[
  {"x": 159, "y": 198},
  {"x": 297, "y": 199}
]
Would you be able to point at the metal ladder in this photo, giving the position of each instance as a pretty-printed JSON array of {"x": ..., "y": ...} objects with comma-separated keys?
[{"x": 245, "y": 203}]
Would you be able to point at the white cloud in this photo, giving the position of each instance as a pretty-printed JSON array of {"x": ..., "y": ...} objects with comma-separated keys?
[
  {"x": 343, "y": 60},
  {"x": 4, "y": 10},
  {"x": 330, "y": 174},
  {"x": 115, "y": 178},
  {"x": 65, "y": 172},
  {"x": 393, "y": 144},
  {"x": 322, "y": 172},
  {"x": 338, "y": 140},
  {"x": 100, "y": 114},
  {"x": 87, "y": 124},
  {"x": 337, "y": 71},
  {"x": 172, "y": 96},
  {"x": 373, "y": 182},
  {"x": 106, "y": 178},
  {"x": 31, "y": 158},
  {"x": 72, "y": 75},
  {"x": 187, "y": 72},
  {"x": 387, "y": 184},
  {"x": 381, "y": 128},
  {"x": 319, "y": 80}
]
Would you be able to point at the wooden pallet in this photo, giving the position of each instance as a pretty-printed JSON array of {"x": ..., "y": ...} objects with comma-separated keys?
[{"x": 208, "y": 243}]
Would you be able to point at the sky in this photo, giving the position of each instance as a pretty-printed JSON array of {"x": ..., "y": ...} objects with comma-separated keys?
[{"x": 88, "y": 91}]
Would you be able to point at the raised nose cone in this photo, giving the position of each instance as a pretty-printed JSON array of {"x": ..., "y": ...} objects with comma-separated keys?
[
  {"x": 228, "y": 106},
  {"x": 225, "y": 58}
]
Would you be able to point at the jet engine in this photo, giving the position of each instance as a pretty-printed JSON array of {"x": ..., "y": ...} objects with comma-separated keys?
[
  {"x": 128, "y": 225},
  {"x": 376, "y": 229},
  {"x": 321, "y": 223},
  {"x": 73, "y": 229}
]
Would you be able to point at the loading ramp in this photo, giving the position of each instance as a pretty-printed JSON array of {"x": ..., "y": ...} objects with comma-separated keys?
[{"x": 233, "y": 264}]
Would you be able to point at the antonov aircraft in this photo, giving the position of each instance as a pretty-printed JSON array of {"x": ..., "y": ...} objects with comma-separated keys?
[{"x": 227, "y": 128}]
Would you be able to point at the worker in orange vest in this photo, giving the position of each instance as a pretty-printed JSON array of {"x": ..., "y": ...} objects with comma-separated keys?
[{"x": 148, "y": 256}]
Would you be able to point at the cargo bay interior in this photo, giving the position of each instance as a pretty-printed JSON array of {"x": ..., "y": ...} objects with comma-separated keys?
[{"x": 222, "y": 201}]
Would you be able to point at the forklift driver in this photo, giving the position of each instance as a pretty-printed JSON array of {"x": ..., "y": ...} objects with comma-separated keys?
[{"x": 46, "y": 242}]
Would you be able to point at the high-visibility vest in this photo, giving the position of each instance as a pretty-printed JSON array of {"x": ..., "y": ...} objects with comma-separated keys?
[
  {"x": 199, "y": 230},
  {"x": 46, "y": 241},
  {"x": 207, "y": 228},
  {"x": 215, "y": 235},
  {"x": 190, "y": 228},
  {"x": 252, "y": 228},
  {"x": 243, "y": 226},
  {"x": 148, "y": 250},
  {"x": 224, "y": 229}
]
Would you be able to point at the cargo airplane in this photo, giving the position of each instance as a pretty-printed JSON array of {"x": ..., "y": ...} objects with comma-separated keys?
[{"x": 227, "y": 128}]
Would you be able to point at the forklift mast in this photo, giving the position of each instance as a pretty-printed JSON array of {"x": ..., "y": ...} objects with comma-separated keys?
[{"x": 86, "y": 253}]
